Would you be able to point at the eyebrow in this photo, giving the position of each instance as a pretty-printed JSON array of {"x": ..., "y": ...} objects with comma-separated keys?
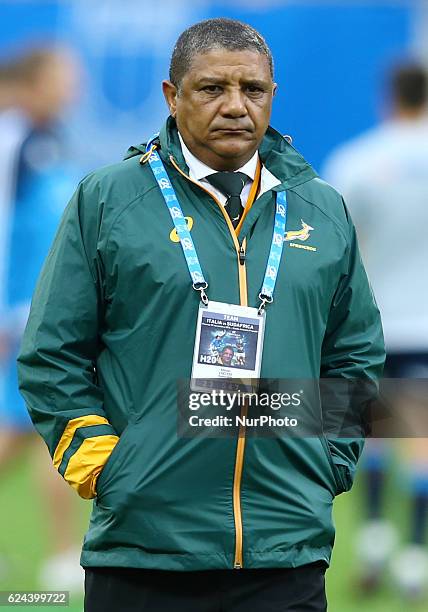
[{"x": 218, "y": 81}]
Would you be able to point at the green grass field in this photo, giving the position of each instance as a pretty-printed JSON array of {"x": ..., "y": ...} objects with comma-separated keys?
[{"x": 23, "y": 544}]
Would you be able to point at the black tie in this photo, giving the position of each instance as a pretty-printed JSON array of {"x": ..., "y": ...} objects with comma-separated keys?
[{"x": 231, "y": 185}]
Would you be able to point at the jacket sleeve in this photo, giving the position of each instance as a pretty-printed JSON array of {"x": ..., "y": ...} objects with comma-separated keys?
[
  {"x": 57, "y": 360},
  {"x": 353, "y": 356}
]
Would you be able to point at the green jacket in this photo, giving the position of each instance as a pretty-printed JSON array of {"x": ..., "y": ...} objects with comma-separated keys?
[{"x": 111, "y": 329}]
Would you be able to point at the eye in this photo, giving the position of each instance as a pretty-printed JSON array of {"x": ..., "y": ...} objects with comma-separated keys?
[
  {"x": 254, "y": 90},
  {"x": 212, "y": 89}
]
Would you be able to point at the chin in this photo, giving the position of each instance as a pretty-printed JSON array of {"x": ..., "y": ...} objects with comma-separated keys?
[{"x": 234, "y": 148}]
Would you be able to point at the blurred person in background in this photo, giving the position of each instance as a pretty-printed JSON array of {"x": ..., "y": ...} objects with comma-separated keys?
[
  {"x": 35, "y": 180},
  {"x": 383, "y": 175}
]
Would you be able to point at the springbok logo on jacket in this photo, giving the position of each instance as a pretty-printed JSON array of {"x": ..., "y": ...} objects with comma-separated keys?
[{"x": 302, "y": 234}]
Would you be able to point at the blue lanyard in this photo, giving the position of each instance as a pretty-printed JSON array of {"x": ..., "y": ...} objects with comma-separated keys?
[
  {"x": 276, "y": 248},
  {"x": 198, "y": 280}
]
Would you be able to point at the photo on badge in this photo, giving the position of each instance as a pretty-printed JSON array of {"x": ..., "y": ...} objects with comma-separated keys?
[{"x": 228, "y": 346}]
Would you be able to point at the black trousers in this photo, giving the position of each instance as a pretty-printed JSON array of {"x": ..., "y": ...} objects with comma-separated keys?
[{"x": 248, "y": 590}]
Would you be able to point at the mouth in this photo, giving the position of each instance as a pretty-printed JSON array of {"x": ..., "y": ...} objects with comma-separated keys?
[{"x": 232, "y": 131}]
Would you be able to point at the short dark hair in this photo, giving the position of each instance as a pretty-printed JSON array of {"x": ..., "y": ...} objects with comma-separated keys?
[
  {"x": 219, "y": 33},
  {"x": 410, "y": 86}
]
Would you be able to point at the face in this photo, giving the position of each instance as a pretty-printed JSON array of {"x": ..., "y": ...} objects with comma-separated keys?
[
  {"x": 55, "y": 87},
  {"x": 226, "y": 356},
  {"x": 223, "y": 106}
]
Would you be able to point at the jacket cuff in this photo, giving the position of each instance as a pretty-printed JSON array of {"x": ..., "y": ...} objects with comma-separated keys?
[{"x": 83, "y": 449}]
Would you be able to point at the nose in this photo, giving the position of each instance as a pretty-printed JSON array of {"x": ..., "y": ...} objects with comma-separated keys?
[{"x": 234, "y": 104}]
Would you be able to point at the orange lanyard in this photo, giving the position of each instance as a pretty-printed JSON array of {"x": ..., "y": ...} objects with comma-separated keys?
[{"x": 251, "y": 196}]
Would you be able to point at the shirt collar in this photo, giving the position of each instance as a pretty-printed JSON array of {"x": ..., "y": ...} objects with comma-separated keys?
[{"x": 198, "y": 170}]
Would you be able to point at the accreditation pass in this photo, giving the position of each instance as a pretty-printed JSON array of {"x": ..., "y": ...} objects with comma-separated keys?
[{"x": 228, "y": 347}]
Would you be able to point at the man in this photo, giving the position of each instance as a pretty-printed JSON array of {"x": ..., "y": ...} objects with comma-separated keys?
[
  {"x": 99, "y": 364},
  {"x": 226, "y": 356},
  {"x": 383, "y": 174}
]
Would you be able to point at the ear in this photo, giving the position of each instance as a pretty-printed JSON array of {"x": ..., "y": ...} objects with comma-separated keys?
[
  {"x": 274, "y": 89},
  {"x": 170, "y": 93}
]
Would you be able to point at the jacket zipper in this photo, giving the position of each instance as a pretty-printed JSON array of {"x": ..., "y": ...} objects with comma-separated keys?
[
  {"x": 242, "y": 255},
  {"x": 240, "y": 448}
]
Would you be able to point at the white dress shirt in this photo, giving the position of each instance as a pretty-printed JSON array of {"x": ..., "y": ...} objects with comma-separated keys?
[{"x": 198, "y": 171}]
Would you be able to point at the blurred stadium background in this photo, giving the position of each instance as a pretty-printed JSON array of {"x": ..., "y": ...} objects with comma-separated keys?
[{"x": 331, "y": 59}]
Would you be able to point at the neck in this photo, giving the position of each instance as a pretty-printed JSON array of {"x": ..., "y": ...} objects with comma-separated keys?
[{"x": 228, "y": 165}]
